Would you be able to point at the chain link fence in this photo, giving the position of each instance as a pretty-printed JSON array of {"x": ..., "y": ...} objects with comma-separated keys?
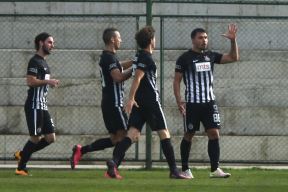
[
  {"x": 252, "y": 93},
  {"x": 223, "y": 1},
  {"x": 75, "y": 105}
]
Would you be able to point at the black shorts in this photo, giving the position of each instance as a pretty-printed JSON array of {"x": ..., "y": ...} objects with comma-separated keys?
[
  {"x": 39, "y": 122},
  {"x": 114, "y": 118},
  {"x": 207, "y": 113},
  {"x": 151, "y": 114}
]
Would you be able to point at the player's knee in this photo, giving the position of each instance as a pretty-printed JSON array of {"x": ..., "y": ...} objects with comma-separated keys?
[
  {"x": 119, "y": 136},
  {"x": 115, "y": 140},
  {"x": 188, "y": 136},
  {"x": 35, "y": 139},
  {"x": 50, "y": 139},
  {"x": 213, "y": 134},
  {"x": 164, "y": 134},
  {"x": 134, "y": 135},
  {"x": 136, "y": 138}
]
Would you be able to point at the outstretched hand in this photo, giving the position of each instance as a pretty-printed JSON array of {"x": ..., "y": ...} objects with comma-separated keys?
[
  {"x": 53, "y": 82},
  {"x": 232, "y": 31}
]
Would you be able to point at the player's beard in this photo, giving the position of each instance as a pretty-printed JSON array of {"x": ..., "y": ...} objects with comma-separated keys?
[
  {"x": 117, "y": 46},
  {"x": 46, "y": 50},
  {"x": 203, "y": 47}
]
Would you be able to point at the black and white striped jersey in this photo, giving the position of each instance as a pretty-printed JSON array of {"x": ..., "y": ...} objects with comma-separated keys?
[
  {"x": 147, "y": 91},
  {"x": 112, "y": 92},
  {"x": 197, "y": 70},
  {"x": 37, "y": 96}
]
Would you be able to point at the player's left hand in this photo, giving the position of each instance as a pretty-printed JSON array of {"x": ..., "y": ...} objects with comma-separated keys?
[
  {"x": 129, "y": 106},
  {"x": 182, "y": 108},
  {"x": 232, "y": 32},
  {"x": 54, "y": 83}
]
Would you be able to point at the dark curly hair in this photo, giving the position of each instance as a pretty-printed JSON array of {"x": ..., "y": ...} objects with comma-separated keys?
[
  {"x": 197, "y": 30},
  {"x": 41, "y": 37},
  {"x": 145, "y": 36}
]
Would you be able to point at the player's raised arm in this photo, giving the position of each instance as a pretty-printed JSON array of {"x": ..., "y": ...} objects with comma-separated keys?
[
  {"x": 233, "y": 55},
  {"x": 126, "y": 64},
  {"x": 119, "y": 76}
]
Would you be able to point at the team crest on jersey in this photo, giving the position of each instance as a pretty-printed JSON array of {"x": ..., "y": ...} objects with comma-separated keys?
[
  {"x": 190, "y": 126},
  {"x": 215, "y": 108},
  {"x": 206, "y": 58},
  {"x": 38, "y": 130}
]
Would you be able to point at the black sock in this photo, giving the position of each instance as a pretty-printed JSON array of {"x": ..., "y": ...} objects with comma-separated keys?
[
  {"x": 169, "y": 153},
  {"x": 97, "y": 145},
  {"x": 185, "y": 148},
  {"x": 26, "y": 153},
  {"x": 214, "y": 153},
  {"x": 120, "y": 160},
  {"x": 41, "y": 145},
  {"x": 120, "y": 150}
]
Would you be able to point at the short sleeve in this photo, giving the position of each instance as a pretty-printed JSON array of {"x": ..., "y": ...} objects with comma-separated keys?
[
  {"x": 112, "y": 63},
  {"x": 32, "y": 68},
  {"x": 179, "y": 65},
  {"x": 142, "y": 63}
]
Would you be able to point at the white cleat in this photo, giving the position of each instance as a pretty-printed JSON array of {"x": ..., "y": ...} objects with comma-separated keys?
[
  {"x": 218, "y": 173},
  {"x": 188, "y": 174}
]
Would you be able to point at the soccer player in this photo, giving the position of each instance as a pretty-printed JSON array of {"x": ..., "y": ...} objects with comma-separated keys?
[
  {"x": 196, "y": 67},
  {"x": 144, "y": 106},
  {"x": 113, "y": 74},
  {"x": 39, "y": 122}
]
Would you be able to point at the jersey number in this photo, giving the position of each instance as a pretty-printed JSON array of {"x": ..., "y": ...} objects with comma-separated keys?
[{"x": 216, "y": 118}]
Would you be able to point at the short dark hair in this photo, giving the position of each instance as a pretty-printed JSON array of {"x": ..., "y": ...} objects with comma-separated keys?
[
  {"x": 108, "y": 34},
  {"x": 41, "y": 37},
  {"x": 144, "y": 36},
  {"x": 197, "y": 30}
]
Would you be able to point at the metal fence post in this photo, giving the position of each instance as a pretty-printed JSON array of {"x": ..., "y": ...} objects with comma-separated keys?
[
  {"x": 161, "y": 70},
  {"x": 136, "y": 48},
  {"x": 148, "y": 130}
]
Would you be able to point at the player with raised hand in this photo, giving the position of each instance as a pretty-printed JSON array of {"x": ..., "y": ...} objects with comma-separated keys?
[{"x": 196, "y": 67}]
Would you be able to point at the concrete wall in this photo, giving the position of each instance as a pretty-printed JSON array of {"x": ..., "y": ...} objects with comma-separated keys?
[
  {"x": 245, "y": 148},
  {"x": 159, "y": 8},
  {"x": 241, "y": 88},
  {"x": 251, "y": 93}
]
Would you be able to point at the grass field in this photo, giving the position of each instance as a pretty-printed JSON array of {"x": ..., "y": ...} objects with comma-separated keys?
[{"x": 55, "y": 180}]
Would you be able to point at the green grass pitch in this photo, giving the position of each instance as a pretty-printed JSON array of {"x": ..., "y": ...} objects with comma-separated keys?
[{"x": 91, "y": 180}]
